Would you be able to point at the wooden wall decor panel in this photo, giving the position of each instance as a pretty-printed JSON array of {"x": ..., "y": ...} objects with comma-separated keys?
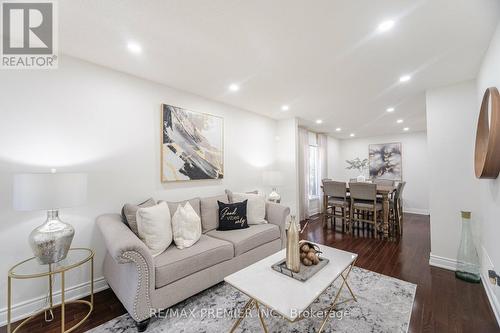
[{"x": 487, "y": 151}]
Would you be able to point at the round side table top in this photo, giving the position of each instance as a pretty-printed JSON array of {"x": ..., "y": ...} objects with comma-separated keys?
[{"x": 31, "y": 268}]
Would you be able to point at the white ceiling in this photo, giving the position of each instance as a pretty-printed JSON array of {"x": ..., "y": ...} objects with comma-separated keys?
[{"x": 323, "y": 58}]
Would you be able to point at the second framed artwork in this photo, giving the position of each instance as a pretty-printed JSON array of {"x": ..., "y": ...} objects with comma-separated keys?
[
  {"x": 192, "y": 145},
  {"x": 385, "y": 161}
]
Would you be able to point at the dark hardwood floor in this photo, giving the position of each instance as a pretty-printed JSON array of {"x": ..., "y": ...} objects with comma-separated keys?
[
  {"x": 442, "y": 303},
  {"x": 106, "y": 307}
]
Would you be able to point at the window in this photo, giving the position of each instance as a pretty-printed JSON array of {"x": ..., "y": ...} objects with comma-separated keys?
[{"x": 313, "y": 172}]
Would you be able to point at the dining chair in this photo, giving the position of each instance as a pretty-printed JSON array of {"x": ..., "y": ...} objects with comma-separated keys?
[
  {"x": 385, "y": 182},
  {"x": 364, "y": 201},
  {"x": 336, "y": 198},
  {"x": 396, "y": 209}
]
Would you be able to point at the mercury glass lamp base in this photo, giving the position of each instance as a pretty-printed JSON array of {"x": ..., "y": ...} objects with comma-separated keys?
[{"x": 51, "y": 241}]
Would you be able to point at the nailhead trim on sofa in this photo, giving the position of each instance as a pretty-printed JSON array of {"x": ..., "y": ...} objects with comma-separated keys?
[{"x": 135, "y": 257}]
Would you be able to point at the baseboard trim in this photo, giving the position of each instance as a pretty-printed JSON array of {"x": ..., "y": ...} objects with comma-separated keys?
[
  {"x": 24, "y": 309},
  {"x": 451, "y": 264},
  {"x": 490, "y": 293},
  {"x": 416, "y": 211},
  {"x": 442, "y": 262}
]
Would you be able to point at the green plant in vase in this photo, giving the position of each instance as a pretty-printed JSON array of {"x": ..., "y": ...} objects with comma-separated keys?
[{"x": 358, "y": 164}]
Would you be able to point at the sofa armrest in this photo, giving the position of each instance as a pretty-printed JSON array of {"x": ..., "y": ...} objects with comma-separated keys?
[
  {"x": 277, "y": 214},
  {"x": 120, "y": 240},
  {"x": 125, "y": 249}
]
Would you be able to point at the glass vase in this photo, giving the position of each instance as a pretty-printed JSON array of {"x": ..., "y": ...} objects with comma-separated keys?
[{"x": 468, "y": 268}]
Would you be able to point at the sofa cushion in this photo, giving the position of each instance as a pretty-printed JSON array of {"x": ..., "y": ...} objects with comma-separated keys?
[
  {"x": 129, "y": 212},
  {"x": 247, "y": 239},
  {"x": 256, "y": 206},
  {"x": 232, "y": 216},
  {"x": 174, "y": 264},
  {"x": 155, "y": 228},
  {"x": 210, "y": 212},
  {"x": 195, "y": 203},
  {"x": 186, "y": 226},
  {"x": 229, "y": 194}
]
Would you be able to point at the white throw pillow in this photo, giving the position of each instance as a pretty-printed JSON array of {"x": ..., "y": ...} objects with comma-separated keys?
[
  {"x": 256, "y": 206},
  {"x": 155, "y": 229},
  {"x": 186, "y": 226}
]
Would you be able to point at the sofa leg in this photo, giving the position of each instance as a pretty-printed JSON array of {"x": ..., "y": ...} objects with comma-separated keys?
[{"x": 142, "y": 326}]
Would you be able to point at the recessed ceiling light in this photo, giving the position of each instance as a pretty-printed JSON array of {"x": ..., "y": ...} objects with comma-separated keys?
[
  {"x": 338, "y": 129},
  {"x": 285, "y": 108},
  {"x": 406, "y": 129},
  {"x": 391, "y": 109},
  {"x": 234, "y": 87},
  {"x": 405, "y": 78},
  {"x": 319, "y": 121},
  {"x": 352, "y": 135},
  {"x": 386, "y": 26},
  {"x": 399, "y": 121},
  {"x": 134, "y": 47}
]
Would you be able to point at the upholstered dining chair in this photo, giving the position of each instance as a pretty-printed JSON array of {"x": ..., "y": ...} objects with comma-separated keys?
[
  {"x": 364, "y": 205},
  {"x": 336, "y": 196},
  {"x": 385, "y": 182},
  {"x": 396, "y": 208}
]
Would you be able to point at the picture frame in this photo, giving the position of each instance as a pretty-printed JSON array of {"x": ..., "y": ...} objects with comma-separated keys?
[
  {"x": 191, "y": 145},
  {"x": 385, "y": 161}
]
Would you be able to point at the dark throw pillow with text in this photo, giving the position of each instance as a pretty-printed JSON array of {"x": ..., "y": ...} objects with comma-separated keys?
[{"x": 232, "y": 216}]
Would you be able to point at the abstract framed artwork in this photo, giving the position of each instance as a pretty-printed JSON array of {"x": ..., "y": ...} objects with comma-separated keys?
[
  {"x": 385, "y": 161},
  {"x": 192, "y": 145}
]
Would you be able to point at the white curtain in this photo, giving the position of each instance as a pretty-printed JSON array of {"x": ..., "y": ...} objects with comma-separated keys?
[
  {"x": 303, "y": 174},
  {"x": 323, "y": 164}
]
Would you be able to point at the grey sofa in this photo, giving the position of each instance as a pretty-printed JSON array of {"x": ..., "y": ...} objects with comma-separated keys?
[{"x": 146, "y": 285}]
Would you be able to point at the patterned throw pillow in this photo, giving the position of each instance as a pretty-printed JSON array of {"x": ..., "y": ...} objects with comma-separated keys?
[{"x": 232, "y": 216}]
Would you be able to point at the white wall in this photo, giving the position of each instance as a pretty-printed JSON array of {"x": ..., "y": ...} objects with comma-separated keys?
[
  {"x": 489, "y": 191},
  {"x": 452, "y": 114},
  {"x": 451, "y": 128},
  {"x": 86, "y": 118},
  {"x": 415, "y": 164},
  {"x": 336, "y": 169},
  {"x": 287, "y": 161}
]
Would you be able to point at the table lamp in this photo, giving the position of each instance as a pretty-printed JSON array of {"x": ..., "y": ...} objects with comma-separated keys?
[
  {"x": 51, "y": 241},
  {"x": 273, "y": 179}
]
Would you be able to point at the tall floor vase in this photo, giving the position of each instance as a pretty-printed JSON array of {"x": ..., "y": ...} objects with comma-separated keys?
[{"x": 468, "y": 268}]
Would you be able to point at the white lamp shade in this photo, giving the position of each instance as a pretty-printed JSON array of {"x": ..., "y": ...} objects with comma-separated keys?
[
  {"x": 273, "y": 178},
  {"x": 45, "y": 191}
]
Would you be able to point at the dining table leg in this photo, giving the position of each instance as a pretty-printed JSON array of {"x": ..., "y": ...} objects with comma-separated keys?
[
  {"x": 325, "y": 205},
  {"x": 385, "y": 212}
]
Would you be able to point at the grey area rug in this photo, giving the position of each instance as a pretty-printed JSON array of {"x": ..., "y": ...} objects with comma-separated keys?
[{"x": 384, "y": 305}]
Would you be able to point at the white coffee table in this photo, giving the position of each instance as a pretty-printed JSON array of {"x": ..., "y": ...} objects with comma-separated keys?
[{"x": 285, "y": 295}]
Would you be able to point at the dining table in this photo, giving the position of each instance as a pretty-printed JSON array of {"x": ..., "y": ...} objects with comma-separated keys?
[{"x": 385, "y": 191}]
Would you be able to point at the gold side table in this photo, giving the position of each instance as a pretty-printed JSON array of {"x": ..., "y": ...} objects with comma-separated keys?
[{"x": 31, "y": 269}]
